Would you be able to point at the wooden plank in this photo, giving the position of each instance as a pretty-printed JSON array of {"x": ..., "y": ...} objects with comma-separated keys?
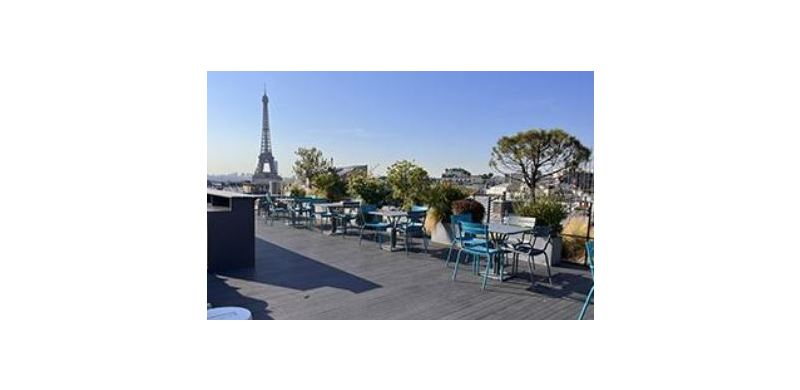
[{"x": 302, "y": 274}]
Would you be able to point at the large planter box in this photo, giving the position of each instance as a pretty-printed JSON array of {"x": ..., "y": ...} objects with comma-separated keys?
[{"x": 441, "y": 234}]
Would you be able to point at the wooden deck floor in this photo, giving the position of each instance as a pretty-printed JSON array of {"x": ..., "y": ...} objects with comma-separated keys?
[{"x": 301, "y": 274}]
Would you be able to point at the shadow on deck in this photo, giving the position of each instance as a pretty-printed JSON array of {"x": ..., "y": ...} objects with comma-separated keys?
[{"x": 307, "y": 275}]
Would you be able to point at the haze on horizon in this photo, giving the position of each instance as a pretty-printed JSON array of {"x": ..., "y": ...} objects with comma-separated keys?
[{"x": 437, "y": 119}]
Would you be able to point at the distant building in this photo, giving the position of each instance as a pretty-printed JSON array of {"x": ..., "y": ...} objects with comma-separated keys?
[
  {"x": 456, "y": 174},
  {"x": 579, "y": 180},
  {"x": 463, "y": 177},
  {"x": 346, "y": 171}
]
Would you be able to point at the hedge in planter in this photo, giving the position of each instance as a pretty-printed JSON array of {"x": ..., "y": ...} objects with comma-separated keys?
[
  {"x": 370, "y": 189},
  {"x": 548, "y": 211},
  {"x": 439, "y": 199}
]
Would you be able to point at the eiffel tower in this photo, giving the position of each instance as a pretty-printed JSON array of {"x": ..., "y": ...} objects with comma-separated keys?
[{"x": 269, "y": 179}]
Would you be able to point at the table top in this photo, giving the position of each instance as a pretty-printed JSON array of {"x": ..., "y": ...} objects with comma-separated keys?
[
  {"x": 389, "y": 213},
  {"x": 507, "y": 229},
  {"x": 229, "y": 313}
]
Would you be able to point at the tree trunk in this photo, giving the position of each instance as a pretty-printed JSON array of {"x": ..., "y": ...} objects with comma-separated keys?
[{"x": 532, "y": 186}]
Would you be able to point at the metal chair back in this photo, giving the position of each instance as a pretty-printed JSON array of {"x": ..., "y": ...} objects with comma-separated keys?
[
  {"x": 415, "y": 220},
  {"x": 455, "y": 227},
  {"x": 525, "y": 237},
  {"x": 475, "y": 229},
  {"x": 541, "y": 233}
]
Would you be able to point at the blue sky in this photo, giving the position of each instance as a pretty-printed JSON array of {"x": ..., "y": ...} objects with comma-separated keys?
[{"x": 437, "y": 119}]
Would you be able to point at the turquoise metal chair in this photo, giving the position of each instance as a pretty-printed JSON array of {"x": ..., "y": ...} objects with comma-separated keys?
[
  {"x": 300, "y": 210},
  {"x": 478, "y": 251},
  {"x": 458, "y": 238},
  {"x": 262, "y": 205},
  {"x": 345, "y": 214},
  {"x": 372, "y": 223},
  {"x": 319, "y": 214},
  {"x": 413, "y": 226},
  {"x": 590, "y": 261},
  {"x": 275, "y": 210}
]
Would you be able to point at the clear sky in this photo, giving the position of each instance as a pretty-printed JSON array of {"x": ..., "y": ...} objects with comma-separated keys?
[{"x": 437, "y": 119}]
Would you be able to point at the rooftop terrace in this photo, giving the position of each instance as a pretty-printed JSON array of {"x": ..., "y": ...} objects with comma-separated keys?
[{"x": 302, "y": 274}]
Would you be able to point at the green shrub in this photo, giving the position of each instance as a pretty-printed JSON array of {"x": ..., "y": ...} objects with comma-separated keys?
[
  {"x": 330, "y": 186},
  {"x": 370, "y": 189},
  {"x": 297, "y": 192},
  {"x": 439, "y": 199},
  {"x": 547, "y": 210},
  {"x": 469, "y": 206},
  {"x": 409, "y": 182}
]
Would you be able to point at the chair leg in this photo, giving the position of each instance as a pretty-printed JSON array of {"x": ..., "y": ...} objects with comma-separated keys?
[
  {"x": 360, "y": 235},
  {"x": 501, "y": 261},
  {"x": 405, "y": 239},
  {"x": 449, "y": 252},
  {"x": 515, "y": 263},
  {"x": 530, "y": 267},
  {"x": 549, "y": 275},
  {"x": 455, "y": 271},
  {"x": 486, "y": 273},
  {"x": 586, "y": 303},
  {"x": 425, "y": 242}
]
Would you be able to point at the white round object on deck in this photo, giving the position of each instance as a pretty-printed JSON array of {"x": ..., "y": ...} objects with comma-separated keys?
[{"x": 229, "y": 313}]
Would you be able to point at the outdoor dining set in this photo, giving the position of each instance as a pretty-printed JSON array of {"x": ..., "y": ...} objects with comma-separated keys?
[{"x": 502, "y": 245}]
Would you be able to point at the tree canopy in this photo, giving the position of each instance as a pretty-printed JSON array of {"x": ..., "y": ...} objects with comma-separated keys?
[
  {"x": 370, "y": 189},
  {"x": 409, "y": 182},
  {"x": 330, "y": 185},
  {"x": 309, "y": 164},
  {"x": 533, "y": 155}
]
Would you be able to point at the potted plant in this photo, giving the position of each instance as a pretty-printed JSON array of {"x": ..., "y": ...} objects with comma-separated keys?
[
  {"x": 548, "y": 211},
  {"x": 440, "y": 200},
  {"x": 370, "y": 189},
  {"x": 296, "y": 191},
  {"x": 409, "y": 183},
  {"x": 469, "y": 206},
  {"x": 330, "y": 186}
]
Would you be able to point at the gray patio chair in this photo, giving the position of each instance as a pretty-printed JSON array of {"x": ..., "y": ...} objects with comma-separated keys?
[
  {"x": 540, "y": 234},
  {"x": 520, "y": 244}
]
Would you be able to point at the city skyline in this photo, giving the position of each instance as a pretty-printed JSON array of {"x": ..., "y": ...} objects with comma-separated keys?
[{"x": 438, "y": 120}]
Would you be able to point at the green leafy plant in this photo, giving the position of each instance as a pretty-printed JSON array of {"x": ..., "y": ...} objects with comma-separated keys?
[
  {"x": 471, "y": 206},
  {"x": 409, "y": 182},
  {"x": 536, "y": 154},
  {"x": 297, "y": 192},
  {"x": 370, "y": 189},
  {"x": 310, "y": 163},
  {"x": 439, "y": 199},
  {"x": 547, "y": 210},
  {"x": 330, "y": 186}
]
